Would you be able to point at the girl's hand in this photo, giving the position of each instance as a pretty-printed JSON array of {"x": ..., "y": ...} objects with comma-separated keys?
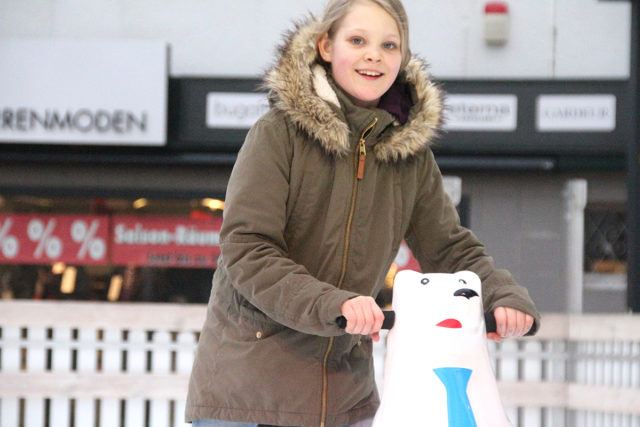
[
  {"x": 510, "y": 323},
  {"x": 364, "y": 316}
]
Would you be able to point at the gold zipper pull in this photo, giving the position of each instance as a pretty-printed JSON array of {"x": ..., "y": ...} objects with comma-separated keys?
[
  {"x": 362, "y": 158},
  {"x": 363, "y": 149}
]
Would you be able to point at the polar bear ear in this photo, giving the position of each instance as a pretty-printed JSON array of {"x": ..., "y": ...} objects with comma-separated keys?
[
  {"x": 407, "y": 286},
  {"x": 404, "y": 281},
  {"x": 407, "y": 276}
]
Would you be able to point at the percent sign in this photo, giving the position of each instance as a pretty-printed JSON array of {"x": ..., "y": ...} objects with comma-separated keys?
[
  {"x": 8, "y": 244},
  {"x": 43, "y": 235},
  {"x": 86, "y": 236}
]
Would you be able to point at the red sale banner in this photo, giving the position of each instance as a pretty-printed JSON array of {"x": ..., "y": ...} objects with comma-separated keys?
[
  {"x": 35, "y": 239},
  {"x": 165, "y": 241}
]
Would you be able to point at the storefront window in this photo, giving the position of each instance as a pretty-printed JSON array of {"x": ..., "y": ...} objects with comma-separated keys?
[
  {"x": 605, "y": 257},
  {"x": 606, "y": 239},
  {"x": 108, "y": 249}
]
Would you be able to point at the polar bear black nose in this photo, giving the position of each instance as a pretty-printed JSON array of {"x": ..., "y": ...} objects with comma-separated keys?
[{"x": 465, "y": 292}]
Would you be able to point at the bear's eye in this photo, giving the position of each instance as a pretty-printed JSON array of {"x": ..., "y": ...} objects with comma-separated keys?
[
  {"x": 424, "y": 281},
  {"x": 464, "y": 282},
  {"x": 465, "y": 292}
]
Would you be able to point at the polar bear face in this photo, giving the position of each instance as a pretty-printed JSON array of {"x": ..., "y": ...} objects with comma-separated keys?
[
  {"x": 439, "y": 304},
  {"x": 437, "y": 370}
]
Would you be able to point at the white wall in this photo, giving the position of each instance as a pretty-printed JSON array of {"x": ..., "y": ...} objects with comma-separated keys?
[
  {"x": 548, "y": 38},
  {"x": 450, "y": 34},
  {"x": 593, "y": 39}
]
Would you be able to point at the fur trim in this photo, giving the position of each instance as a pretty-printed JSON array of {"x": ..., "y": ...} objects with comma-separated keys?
[
  {"x": 322, "y": 86},
  {"x": 425, "y": 118},
  {"x": 299, "y": 87}
]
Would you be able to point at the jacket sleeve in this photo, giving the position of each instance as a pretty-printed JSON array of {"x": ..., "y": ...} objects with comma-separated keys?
[
  {"x": 441, "y": 244},
  {"x": 252, "y": 240}
]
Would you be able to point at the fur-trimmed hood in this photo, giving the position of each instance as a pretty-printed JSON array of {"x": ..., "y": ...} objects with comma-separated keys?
[{"x": 298, "y": 85}]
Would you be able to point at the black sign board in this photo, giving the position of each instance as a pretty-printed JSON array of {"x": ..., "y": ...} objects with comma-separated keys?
[{"x": 583, "y": 118}]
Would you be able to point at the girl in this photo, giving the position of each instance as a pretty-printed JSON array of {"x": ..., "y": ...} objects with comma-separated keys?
[{"x": 326, "y": 187}]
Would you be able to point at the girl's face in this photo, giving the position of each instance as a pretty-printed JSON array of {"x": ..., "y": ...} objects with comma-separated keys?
[{"x": 364, "y": 53}]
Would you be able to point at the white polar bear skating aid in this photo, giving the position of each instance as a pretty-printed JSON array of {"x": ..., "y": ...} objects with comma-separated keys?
[{"x": 437, "y": 369}]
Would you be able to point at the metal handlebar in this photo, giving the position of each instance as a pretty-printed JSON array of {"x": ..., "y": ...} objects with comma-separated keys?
[{"x": 390, "y": 318}]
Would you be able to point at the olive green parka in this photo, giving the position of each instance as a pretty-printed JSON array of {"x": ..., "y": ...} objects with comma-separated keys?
[{"x": 320, "y": 198}]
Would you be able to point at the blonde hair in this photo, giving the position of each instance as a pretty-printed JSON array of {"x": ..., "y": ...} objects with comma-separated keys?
[{"x": 336, "y": 10}]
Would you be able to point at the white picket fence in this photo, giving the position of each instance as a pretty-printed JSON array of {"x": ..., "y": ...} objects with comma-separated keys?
[
  {"x": 95, "y": 364},
  {"x": 76, "y": 364},
  {"x": 579, "y": 371}
]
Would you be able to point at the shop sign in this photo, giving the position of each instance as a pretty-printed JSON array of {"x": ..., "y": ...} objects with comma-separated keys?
[
  {"x": 488, "y": 113},
  {"x": 576, "y": 113},
  {"x": 233, "y": 110},
  {"x": 165, "y": 241},
  {"x": 108, "y": 92},
  {"x": 43, "y": 239}
]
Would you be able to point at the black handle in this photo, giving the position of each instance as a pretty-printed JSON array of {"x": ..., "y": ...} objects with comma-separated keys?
[
  {"x": 390, "y": 318},
  {"x": 387, "y": 323},
  {"x": 490, "y": 322}
]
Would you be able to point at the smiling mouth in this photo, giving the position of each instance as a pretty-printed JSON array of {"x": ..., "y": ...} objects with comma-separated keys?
[
  {"x": 450, "y": 323},
  {"x": 369, "y": 73}
]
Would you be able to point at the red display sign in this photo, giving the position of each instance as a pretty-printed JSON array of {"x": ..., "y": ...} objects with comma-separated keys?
[
  {"x": 43, "y": 239},
  {"x": 165, "y": 241},
  {"x": 121, "y": 240}
]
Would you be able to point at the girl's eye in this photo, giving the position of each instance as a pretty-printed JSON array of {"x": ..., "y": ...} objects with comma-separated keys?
[
  {"x": 390, "y": 45},
  {"x": 357, "y": 41}
]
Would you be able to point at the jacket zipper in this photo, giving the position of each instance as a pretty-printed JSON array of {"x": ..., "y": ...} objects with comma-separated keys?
[
  {"x": 360, "y": 161},
  {"x": 363, "y": 148}
]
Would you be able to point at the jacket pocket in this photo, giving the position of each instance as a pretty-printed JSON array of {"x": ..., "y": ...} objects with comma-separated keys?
[
  {"x": 363, "y": 348},
  {"x": 252, "y": 323}
]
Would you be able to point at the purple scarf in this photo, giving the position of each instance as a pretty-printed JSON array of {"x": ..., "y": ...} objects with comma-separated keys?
[{"x": 397, "y": 101}]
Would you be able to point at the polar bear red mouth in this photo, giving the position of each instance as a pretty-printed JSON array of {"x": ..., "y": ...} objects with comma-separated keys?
[{"x": 450, "y": 323}]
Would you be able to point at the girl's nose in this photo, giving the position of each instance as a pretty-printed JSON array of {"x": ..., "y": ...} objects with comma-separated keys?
[{"x": 373, "y": 55}]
